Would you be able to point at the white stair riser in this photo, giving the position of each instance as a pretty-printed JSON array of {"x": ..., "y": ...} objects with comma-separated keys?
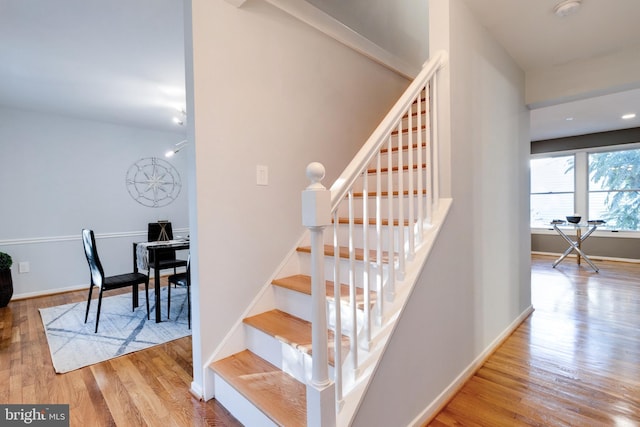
[
  {"x": 372, "y": 182},
  {"x": 415, "y": 117},
  {"x": 288, "y": 300},
  {"x": 305, "y": 266},
  {"x": 242, "y": 409},
  {"x": 287, "y": 358},
  {"x": 384, "y": 157},
  {"x": 359, "y": 232},
  {"x": 358, "y": 207}
]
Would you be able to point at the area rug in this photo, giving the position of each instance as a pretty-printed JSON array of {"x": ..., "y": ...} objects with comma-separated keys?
[{"x": 73, "y": 344}]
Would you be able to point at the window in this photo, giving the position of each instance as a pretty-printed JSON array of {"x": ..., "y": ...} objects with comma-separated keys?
[
  {"x": 614, "y": 188},
  {"x": 593, "y": 183},
  {"x": 552, "y": 189}
]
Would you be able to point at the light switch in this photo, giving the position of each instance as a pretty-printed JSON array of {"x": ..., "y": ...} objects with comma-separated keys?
[
  {"x": 23, "y": 267},
  {"x": 262, "y": 175}
]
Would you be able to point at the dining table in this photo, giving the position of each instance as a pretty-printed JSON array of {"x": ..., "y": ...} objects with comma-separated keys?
[{"x": 143, "y": 251}]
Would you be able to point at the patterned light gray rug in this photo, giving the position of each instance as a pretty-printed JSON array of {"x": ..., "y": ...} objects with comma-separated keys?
[{"x": 73, "y": 344}]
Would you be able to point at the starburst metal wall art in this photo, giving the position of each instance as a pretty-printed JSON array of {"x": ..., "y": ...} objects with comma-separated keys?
[{"x": 153, "y": 182}]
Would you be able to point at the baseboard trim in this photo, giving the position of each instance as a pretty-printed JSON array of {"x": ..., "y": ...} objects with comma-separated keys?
[
  {"x": 196, "y": 391},
  {"x": 443, "y": 399},
  {"x": 593, "y": 257}
]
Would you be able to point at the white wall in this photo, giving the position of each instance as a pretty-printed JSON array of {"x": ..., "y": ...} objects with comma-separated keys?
[
  {"x": 477, "y": 279},
  {"x": 58, "y": 175},
  {"x": 269, "y": 90},
  {"x": 586, "y": 78},
  {"x": 399, "y": 26}
]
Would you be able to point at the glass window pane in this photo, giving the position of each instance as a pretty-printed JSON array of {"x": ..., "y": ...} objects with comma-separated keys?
[
  {"x": 552, "y": 174},
  {"x": 614, "y": 170},
  {"x": 614, "y": 184},
  {"x": 547, "y": 207},
  {"x": 619, "y": 208}
]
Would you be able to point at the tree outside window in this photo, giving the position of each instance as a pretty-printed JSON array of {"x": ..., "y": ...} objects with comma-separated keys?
[{"x": 614, "y": 188}]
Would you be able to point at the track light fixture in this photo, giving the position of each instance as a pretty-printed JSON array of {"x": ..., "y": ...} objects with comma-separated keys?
[{"x": 179, "y": 146}]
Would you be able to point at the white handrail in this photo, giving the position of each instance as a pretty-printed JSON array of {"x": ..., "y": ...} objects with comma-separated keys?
[
  {"x": 382, "y": 255},
  {"x": 341, "y": 186}
]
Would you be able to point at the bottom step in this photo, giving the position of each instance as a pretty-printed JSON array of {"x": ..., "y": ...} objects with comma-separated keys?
[{"x": 277, "y": 394}]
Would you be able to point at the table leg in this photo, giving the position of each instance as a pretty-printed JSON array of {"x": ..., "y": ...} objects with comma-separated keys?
[
  {"x": 156, "y": 285},
  {"x": 579, "y": 242},
  {"x": 135, "y": 270}
]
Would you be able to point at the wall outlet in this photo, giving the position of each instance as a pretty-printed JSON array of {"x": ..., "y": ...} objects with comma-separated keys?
[
  {"x": 23, "y": 267},
  {"x": 262, "y": 175}
]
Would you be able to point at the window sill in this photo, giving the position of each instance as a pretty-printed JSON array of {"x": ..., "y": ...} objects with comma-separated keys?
[{"x": 601, "y": 232}]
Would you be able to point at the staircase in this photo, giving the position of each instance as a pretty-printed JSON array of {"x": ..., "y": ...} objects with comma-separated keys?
[{"x": 307, "y": 347}]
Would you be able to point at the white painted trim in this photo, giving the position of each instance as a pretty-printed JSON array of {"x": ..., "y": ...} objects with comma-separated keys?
[
  {"x": 47, "y": 292},
  {"x": 627, "y": 234},
  {"x": 75, "y": 237},
  {"x": 325, "y": 23},
  {"x": 196, "y": 391},
  {"x": 593, "y": 257},
  {"x": 440, "y": 402},
  {"x": 236, "y": 3}
]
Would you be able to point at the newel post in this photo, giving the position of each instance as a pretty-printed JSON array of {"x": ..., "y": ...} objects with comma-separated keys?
[{"x": 316, "y": 215}]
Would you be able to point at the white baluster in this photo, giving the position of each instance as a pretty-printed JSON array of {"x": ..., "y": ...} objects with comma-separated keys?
[
  {"x": 391, "y": 281},
  {"x": 420, "y": 174},
  {"x": 352, "y": 288},
  {"x": 401, "y": 256},
  {"x": 337, "y": 377},
  {"x": 435, "y": 142},
  {"x": 410, "y": 175},
  {"x": 380, "y": 299}
]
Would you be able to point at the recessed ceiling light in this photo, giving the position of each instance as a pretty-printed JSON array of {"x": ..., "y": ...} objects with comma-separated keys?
[
  {"x": 566, "y": 8},
  {"x": 629, "y": 116},
  {"x": 569, "y": 119}
]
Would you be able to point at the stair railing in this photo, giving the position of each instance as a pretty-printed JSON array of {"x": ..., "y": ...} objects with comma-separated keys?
[{"x": 412, "y": 122}]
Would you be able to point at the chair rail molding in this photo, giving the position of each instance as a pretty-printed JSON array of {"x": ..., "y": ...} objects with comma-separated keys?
[{"x": 74, "y": 237}]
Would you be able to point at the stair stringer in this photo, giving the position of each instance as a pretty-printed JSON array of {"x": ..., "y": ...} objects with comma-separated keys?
[
  {"x": 265, "y": 300},
  {"x": 353, "y": 397}
]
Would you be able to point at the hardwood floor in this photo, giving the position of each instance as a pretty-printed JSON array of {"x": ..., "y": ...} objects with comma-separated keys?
[
  {"x": 574, "y": 362},
  {"x": 150, "y": 387}
]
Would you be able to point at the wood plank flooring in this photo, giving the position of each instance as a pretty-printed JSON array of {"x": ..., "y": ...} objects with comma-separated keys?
[
  {"x": 574, "y": 362},
  {"x": 150, "y": 387}
]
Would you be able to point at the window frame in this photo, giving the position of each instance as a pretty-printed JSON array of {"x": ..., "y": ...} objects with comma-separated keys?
[{"x": 581, "y": 185}]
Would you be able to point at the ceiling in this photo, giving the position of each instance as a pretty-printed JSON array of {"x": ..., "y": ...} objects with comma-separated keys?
[
  {"x": 538, "y": 39},
  {"x": 119, "y": 61},
  {"x": 122, "y": 61}
]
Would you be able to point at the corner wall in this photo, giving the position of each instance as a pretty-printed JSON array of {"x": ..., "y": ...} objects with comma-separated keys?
[
  {"x": 266, "y": 89},
  {"x": 476, "y": 282},
  {"x": 60, "y": 174}
]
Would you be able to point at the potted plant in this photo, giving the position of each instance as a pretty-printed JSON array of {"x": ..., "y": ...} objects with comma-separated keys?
[{"x": 6, "y": 284}]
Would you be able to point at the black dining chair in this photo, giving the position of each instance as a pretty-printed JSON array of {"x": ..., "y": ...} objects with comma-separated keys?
[
  {"x": 181, "y": 279},
  {"x": 158, "y": 231},
  {"x": 107, "y": 283}
]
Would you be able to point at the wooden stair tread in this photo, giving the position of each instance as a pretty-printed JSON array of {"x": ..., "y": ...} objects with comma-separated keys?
[
  {"x": 404, "y": 148},
  {"x": 302, "y": 283},
  {"x": 372, "y": 221},
  {"x": 343, "y": 252},
  {"x": 413, "y": 129},
  {"x": 396, "y": 168},
  {"x": 386, "y": 193},
  {"x": 266, "y": 386},
  {"x": 291, "y": 330}
]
